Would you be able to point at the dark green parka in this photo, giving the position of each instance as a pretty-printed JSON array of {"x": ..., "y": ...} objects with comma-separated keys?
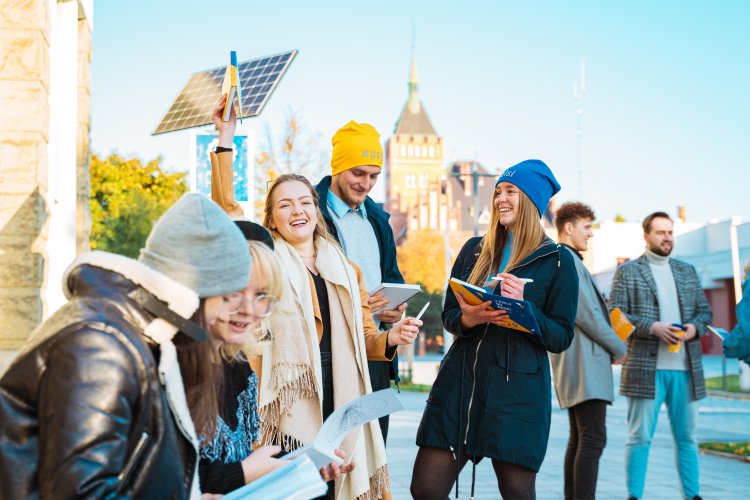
[{"x": 492, "y": 395}]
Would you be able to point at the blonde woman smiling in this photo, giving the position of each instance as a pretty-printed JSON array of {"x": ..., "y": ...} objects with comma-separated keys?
[{"x": 319, "y": 355}]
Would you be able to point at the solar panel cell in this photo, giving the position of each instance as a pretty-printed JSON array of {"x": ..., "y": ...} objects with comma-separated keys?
[{"x": 195, "y": 103}]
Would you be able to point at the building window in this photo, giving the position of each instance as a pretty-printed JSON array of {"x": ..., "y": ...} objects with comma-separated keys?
[
  {"x": 411, "y": 151},
  {"x": 424, "y": 151},
  {"x": 423, "y": 179},
  {"x": 411, "y": 181},
  {"x": 431, "y": 151},
  {"x": 417, "y": 151},
  {"x": 403, "y": 150}
]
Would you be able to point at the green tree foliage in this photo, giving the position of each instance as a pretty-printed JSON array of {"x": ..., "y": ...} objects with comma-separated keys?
[
  {"x": 432, "y": 317},
  {"x": 126, "y": 198}
]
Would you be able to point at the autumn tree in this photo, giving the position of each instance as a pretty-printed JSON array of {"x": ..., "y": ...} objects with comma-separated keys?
[
  {"x": 126, "y": 198},
  {"x": 421, "y": 259},
  {"x": 295, "y": 149}
]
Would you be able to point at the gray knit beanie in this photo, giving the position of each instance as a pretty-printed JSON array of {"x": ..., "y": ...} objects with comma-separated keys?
[{"x": 197, "y": 244}]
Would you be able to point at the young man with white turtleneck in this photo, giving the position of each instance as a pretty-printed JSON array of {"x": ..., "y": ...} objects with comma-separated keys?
[{"x": 663, "y": 298}]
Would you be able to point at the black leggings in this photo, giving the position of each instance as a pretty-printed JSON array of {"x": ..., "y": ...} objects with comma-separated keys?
[{"x": 435, "y": 473}]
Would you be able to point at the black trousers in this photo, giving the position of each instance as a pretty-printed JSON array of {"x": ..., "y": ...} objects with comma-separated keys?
[{"x": 588, "y": 436}]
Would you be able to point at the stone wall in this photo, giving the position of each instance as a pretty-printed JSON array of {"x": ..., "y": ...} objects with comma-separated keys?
[
  {"x": 83, "y": 150},
  {"x": 24, "y": 137},
  {"x": 27, "y": 157}
]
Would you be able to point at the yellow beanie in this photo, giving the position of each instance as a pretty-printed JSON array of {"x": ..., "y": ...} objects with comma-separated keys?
[{"x": 356, "y": 144}]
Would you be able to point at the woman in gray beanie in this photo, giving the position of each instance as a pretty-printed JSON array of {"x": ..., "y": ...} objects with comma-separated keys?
[{"x": 94, "y": 404}]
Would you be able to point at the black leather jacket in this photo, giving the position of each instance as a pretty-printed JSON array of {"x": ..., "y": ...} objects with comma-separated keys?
[{"x": 82, "y": 409}]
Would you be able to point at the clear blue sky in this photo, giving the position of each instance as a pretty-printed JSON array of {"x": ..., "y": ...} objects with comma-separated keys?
[{"x": 666, "y": 114}]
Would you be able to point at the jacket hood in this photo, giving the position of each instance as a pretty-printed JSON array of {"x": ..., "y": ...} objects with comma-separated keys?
[{"x": 178, "y": 297}]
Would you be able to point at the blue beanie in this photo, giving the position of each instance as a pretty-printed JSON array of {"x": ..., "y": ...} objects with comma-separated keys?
[{"x": 534, "y": 178}]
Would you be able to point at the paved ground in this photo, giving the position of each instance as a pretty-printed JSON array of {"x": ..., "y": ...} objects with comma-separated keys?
[{"x": 720, "y": 419}]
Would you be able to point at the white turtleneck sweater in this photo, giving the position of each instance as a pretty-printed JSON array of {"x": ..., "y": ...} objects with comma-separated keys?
[{"x": 669, "y": 310}]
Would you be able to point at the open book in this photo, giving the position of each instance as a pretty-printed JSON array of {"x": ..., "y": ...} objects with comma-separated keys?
[
  {"x": 621, "y": 324},
  {"x": 396, "y": 293},
  {"x": 322, "y": 451},
  {"x": 520, "y": 317},
  {"x": 297, "y": 480},
  {"x": 231, "y": 87}
]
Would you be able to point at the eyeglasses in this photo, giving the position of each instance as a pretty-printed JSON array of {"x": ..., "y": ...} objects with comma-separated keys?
[{"x": 262, "y": 304}]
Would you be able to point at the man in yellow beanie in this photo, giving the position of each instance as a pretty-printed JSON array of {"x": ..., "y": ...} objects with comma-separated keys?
[{"x": 361, "y": 226}]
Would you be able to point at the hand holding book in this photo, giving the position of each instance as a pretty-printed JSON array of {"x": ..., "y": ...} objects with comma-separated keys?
[
  {"x": 480, "y": 306},
  {"x": 226, "y": 129},
  {"x": 473, "y": 315},
  {"x": 334, "y": 470}
]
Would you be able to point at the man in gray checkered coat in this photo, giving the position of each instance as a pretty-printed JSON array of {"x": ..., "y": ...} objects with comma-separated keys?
[{"x": 663, "y": 298}]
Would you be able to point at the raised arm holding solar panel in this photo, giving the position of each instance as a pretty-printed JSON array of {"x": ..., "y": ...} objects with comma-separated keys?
[{"x": 227, "y": 128}]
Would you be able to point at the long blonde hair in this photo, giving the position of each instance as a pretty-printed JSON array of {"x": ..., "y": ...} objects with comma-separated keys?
[
  {"x": 528, "y": 234},
  {"x": 321, "y": 229}
]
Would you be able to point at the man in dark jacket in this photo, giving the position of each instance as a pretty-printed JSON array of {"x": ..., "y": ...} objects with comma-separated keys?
[
  {"x": 93, "y": 406},
  {"x": 663, "y": 298},
  {"x": 362, "y": 228}
]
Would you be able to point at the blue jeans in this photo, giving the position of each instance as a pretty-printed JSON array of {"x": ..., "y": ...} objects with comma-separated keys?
[{"x": 674, "y": 388}]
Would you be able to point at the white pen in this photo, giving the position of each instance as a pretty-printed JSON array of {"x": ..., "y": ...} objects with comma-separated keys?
[
  {"x": 422, "y": 311},
  {"x": 525, "y": 280}
]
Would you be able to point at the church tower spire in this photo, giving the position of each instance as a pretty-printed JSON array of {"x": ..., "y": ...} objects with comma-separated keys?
[{"x": 413, "y": 85}]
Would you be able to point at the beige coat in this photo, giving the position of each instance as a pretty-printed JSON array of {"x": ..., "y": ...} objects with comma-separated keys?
[{"x": 584, "y": 371}]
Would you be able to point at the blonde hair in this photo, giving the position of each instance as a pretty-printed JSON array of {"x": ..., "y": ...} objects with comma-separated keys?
[
  {"x": 528, "y": 234},
  {"x": 269, "y": 272},
  {"x": 321, "y": 229}
]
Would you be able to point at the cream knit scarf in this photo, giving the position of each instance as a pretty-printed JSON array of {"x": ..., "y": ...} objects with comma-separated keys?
[{"x": 291, "y": 395}]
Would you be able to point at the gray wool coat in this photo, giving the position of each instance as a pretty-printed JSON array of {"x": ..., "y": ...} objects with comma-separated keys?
[
  {"x": 584, "y": 371},
  {"x": 634, "y": 292}
]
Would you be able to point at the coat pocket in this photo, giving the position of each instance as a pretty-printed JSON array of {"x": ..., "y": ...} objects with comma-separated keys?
[
  {"x": 516, "y": 385},
  {"x": 597, "y": 350}
]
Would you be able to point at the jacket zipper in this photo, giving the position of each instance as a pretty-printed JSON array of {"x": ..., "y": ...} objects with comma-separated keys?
[
  {"x": 124, "y": 477},
  {"x": 476, "y": 353},
  {"x": 473, "y": 384}
]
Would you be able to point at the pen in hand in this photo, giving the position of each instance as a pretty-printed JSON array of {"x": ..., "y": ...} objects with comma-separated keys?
[
  {"x": 422, "y": 311},
  {"x": 525, "y": 280}
]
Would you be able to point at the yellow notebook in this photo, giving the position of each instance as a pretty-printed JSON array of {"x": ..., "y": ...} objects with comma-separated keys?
[
  {"x": 621, "y": 324},
  {"x": 231, "y": 87},
  {"x": 520, "y": 317}
]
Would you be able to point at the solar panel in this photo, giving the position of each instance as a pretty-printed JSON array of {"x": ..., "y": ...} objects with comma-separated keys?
[{"x": 195, "y": 103}]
